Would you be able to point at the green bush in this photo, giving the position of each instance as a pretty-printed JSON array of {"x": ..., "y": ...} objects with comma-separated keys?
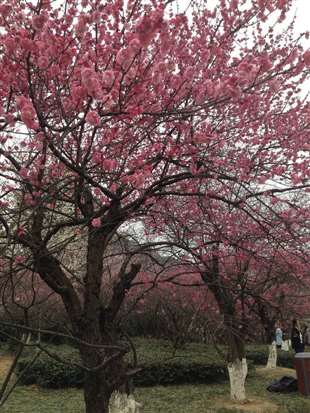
[
  {"x": 259, "y": 356},
  {"x": 168, "y": 374},
  {"x": 49, "y": 373},
  {"x": 196, "y": 364}
]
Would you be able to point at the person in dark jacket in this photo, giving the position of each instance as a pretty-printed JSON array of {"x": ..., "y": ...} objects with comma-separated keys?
[{"x": 296, "y": 338}]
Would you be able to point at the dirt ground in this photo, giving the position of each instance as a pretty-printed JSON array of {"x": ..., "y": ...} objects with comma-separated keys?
[
  {"x": 5, "y": 363},
  {"x": 253, "y": 405},
  {"x": 275, "y": 373},
  {"x": 256, "y": 404}
]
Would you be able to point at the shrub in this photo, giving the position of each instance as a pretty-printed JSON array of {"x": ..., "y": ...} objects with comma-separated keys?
[
  {"x": 193, "y": 365},
  {"x": 259, "y": 356},
  {"x": 49, "y": 373},
  {"x": 158, "y": 367}
]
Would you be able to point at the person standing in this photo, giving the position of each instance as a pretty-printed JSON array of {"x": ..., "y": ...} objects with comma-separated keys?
[{"x": 296, "y": 338}]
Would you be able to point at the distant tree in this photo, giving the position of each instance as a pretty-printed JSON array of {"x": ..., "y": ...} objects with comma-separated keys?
[{"x": 249, "y": 255}]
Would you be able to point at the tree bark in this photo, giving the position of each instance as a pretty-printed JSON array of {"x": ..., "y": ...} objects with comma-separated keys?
[
  {"x": 96, "y": 393},
  {"x": 272, "y": 356},
  {"x": 237, "y": 364},
  {"x": 236, "y": 361},
  {"x": 123, "y": 403},
  {"x": 237, "y": 371}
]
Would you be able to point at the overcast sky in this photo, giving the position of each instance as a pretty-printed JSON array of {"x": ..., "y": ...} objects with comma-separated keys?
[{"x": 302, "y": 8}]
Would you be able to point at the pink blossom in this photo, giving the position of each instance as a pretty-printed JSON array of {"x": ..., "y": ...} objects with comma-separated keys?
[
  {"x": 275, "y": 85},
  {"x": 78, "y": 93},
  {"x": 307, "y": 57},
  {"x": 87, "y": 74},
  {"x": 91, "y": 82},
  {"x": 108, "y": 78},
  {"x": 23, "y": 172},
  {"x": 28, "y": 116},
  {"x": 109, "y": 164},
  {"x": 10, "y": 118},
  {"x": 93, "y": 118},
  {"x": 19, "y": 259},
  {"x": 281, "y": 4},
  {"x": 145, "y": 31},
  {"x": 26, "y": 44},
  {"x": 42, "y": 62},
  {"x": 149, "y": 25},
  {"x": 38, "y": 21},
  {"x": 124, "y": 58},
  {"x": 97, "y": 156},
  {"x": 96, "y": 222},
  {"x": 54, "y": 70},
  {"x": 21, "y": 101},
  {"x": 135, "y": 45},
  {"x": 5, "y": 10}
]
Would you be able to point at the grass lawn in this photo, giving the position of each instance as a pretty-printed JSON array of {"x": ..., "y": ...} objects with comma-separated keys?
[
  {"x": 170, "y": 399},
  {"x": 202, "y": 398}
]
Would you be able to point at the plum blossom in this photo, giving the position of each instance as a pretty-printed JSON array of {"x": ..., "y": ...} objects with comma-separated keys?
[
  {"x": 125, "y": 57},
  {"x": 38, "y": 22},
  {"x": 96, "y": 222},
  {"x": 5, "y": 10},
  {"x": 108, "y": 78},
  {"x": 21, "y": 101},
  {"x": 109, "y": 164},
  {"x": 43, "y": 62},
  {"x": 135, "y": 45},
  {"x": 23, "y": 172},
  {"x": 148, "y": 26},
  {"x": 307, "y": 57},
  {"x": 91, "y": 82},
  {"x": 93, "y": 118},
  {"x": 28, "y": 116}
]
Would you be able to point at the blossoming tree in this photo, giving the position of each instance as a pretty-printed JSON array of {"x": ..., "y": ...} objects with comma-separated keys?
[
  {"x": 106, "y": 107},
  {"x": 244, "y": 251}
]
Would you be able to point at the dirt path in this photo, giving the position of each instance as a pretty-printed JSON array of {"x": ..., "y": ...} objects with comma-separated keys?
[
  {"x": 276, "y": 373},
  {"x": 5, "y": 363}
]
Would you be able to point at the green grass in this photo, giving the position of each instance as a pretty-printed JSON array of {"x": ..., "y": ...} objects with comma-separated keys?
[
  {"x": 172, "y": 399},
  {"x": 169, "y": 399}
]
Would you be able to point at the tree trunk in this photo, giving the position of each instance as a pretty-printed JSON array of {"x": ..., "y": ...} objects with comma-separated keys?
[
  {"x": 236, "y": 361},
  {"x": 237, "y": 364},
  {"x": 96, "y": 393},
  {"x": 272, "y": 357},
  {"x": 237, "y": 371},
  {"x": 123, "y": 403},
  {"x": 99, "y": 399}
]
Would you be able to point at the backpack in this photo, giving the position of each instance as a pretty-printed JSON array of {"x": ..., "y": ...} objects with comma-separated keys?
[{"x": 286, "y": 384}]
